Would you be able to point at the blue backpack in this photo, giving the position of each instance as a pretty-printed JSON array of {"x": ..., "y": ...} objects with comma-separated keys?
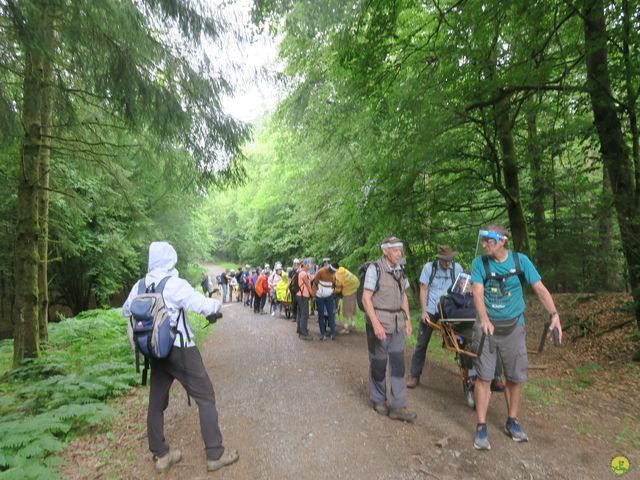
[{"x": 150, "y": 329}]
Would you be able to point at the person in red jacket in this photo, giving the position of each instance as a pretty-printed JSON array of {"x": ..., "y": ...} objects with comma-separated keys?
[{"x": 264, "y": 278}]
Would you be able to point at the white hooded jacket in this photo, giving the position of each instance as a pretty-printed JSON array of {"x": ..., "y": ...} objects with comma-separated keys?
[{"x": 177, "y": 293}]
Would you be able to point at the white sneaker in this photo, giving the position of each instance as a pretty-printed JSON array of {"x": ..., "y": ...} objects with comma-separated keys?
[{"x": 273, "y": 314}]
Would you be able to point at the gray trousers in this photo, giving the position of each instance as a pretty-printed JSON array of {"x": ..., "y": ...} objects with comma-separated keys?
[
  {"x": 184, "y": 365},
  {"x": 391, "y": 350},
  {"x": 303, "y": 314}
]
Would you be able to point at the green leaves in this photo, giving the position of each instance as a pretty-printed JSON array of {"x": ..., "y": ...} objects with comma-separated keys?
[{"x": 50, "y": 400}]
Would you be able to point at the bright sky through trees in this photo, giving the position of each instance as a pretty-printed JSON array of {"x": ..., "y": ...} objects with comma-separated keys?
[{"x": 249, "y": 59}]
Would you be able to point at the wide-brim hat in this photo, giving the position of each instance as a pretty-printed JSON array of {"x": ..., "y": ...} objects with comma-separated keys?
[{"x": 446, "y": 253}]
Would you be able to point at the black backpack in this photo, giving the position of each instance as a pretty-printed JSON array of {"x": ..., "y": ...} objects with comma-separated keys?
[
  {"x": 457, "y": 305},
  {"x": 294, "y": 286},
  {"x": 362, "y": 272}
]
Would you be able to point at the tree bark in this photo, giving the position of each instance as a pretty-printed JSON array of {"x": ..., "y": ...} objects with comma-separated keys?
[
  {"x": 43, "y": 173},
  {"x": 539, "y": 188},
  {"x": 517, "y": 223},
  {"x": 26, "y": 341},
  {"x": 632, "y": 96},
  {"x": 612, "y": 142}
]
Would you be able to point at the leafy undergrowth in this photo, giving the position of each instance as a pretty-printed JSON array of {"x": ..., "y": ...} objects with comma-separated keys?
[
  {"x": 591, "y": 377},
  {"x": 47, "y": 402}
]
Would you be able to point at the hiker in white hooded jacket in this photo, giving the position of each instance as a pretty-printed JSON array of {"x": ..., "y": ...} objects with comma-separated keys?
[{"x": 184, "y": 364}]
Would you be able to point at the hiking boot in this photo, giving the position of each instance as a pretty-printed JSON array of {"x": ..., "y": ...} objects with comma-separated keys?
[
  {"x": 223, "y": 461},
  {"x": 402, "y": 414},
  {"x": 307, "y": 337},
  {"x": 164, "y": 463},
  {"x": 381, "y": 409},
  {"x": 497, "y": 385},
  {"x": 412, "y": 382},
  {"x": 344, "y": 331},
  {"x": 512, "y": 428},
  {"x": 481, "y": 440}
]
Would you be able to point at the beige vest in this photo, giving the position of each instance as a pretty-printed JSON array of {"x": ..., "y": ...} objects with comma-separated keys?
[{"x": 387, "y": 300}]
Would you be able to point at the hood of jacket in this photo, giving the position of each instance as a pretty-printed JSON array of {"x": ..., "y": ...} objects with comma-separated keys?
[{"x": 162, "y": 261}]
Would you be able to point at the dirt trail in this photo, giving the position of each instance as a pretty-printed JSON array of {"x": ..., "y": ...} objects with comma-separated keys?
[{"x": 298, "y": 409}]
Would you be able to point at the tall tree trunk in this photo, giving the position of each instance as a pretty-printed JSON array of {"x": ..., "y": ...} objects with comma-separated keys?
[
  {"x": 26, "y": 341},
  {"x": 612, "y": 143},
  {"x": 43, "y": 174},
  {"x": 632, "y": 96},
  {"x": 539, "y": 188},
  {"x": 515, "y": 211}
]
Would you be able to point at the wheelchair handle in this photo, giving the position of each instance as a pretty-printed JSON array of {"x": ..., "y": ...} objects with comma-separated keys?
[
  {"x": 481, "y": 346},
  {"x": 555, "y": 333}
]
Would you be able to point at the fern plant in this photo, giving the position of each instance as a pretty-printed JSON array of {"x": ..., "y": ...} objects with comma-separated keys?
[{"x": 46, "y": 402}]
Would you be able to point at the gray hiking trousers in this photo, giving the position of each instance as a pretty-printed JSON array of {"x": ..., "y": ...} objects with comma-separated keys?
[
  {"x": 381, "y": 352},
  {"x": 184, "y": 365}
]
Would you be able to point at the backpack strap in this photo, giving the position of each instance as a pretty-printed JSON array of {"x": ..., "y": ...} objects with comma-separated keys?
[
  {"x": 160, "y": 287},
  {"x": 519, "y": 272},
  {"x": 434, "y": 270},
  {"x": 487, "y": 270},
  {"x": 501, "y": 278}
]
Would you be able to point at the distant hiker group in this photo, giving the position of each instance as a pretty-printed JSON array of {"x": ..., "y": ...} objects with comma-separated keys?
[{"x": 300, "y": 291}]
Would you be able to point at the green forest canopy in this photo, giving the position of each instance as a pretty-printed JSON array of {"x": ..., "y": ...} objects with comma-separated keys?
[{"x": 421, "y": 119}]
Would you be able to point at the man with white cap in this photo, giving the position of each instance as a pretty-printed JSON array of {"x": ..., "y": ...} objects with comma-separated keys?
[
  {"x": 388, "y": 324},
  {"x": 436, "y": 278}
]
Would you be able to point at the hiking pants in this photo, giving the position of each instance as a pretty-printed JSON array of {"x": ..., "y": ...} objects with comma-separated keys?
[
  {"x": 184, "y": 365},
  {"x": 303, "y": 314},
  {"x": 263, "y": 301},
  {"x": 420, "y": 353},
  {"x": 392, "y": 350},
  {"x": 326, "y": 308}
]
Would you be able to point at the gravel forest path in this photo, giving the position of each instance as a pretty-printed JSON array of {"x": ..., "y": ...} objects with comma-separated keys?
[{"x": 300, "y": 410}]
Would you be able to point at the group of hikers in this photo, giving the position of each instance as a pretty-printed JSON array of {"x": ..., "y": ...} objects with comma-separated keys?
[
  {"x": 497, "y": 276},
  {"x": 297, "y": 292}
]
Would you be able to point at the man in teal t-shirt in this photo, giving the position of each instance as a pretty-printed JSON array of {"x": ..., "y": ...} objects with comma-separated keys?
[
  {"x": 505, "y": 300},
  {"x": 500, "y": 306}
]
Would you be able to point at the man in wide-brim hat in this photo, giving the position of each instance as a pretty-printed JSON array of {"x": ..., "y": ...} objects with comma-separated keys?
[{"x": 436, "y": 278}]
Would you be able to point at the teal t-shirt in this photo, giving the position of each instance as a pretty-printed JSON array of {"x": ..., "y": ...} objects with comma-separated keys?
[{"x": 504, "y": 300}]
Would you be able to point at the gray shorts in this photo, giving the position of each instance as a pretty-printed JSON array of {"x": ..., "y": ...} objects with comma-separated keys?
[{"x": 513, "y": 352}]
